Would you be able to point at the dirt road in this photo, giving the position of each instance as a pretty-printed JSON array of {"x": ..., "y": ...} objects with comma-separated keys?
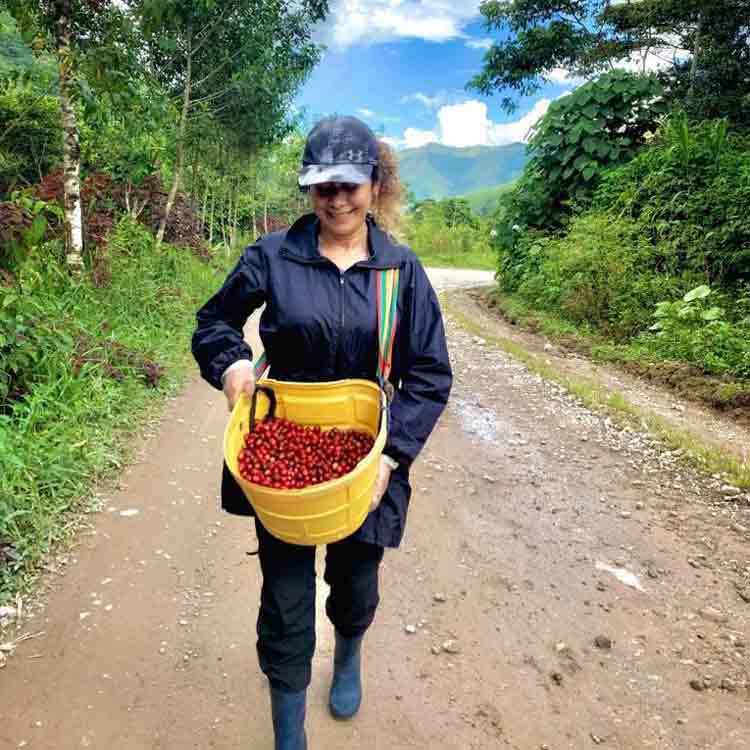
[{"x": 565, "y": 581}]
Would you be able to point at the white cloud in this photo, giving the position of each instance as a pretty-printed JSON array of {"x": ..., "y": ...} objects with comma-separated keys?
[
  {"x": 365, "y": 112},
  {"x": 414, "y": 138},
  {"x": 467, "y": 124},
  {"x": 392, "y": 142},
  {"x": 479, "y": 43},
  {"x": 464, "y": 124},
  {"x": 655, "y": 59},
  {"x": 352, "y": 21},
  {"x": 562, "y": 76},
  {"x": 431, "y": 102}
]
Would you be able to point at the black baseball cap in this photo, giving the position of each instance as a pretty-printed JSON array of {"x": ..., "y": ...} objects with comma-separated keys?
[{"x": 339, "y": 149}]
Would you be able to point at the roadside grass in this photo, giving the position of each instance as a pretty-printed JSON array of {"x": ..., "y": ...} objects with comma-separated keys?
[
  {"x": 555, "y": 328},
  {"x": 117, "y": 354},
  {"x": 593, "y": 395},
  {"x": 722, "y": 392}
]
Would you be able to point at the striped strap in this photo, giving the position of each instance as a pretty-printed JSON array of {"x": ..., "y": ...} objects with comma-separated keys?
[
  {"x": 261, "y": 365},
  {"x": 387, "y": 297}
]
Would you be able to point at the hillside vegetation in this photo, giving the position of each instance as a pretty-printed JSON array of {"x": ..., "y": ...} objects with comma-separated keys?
[
  {"x": 635, "y": 234},
  {"x": 130, "y": 176},
  {"x": 449, "y": 233},
  {"x": 437, "y": 171}
]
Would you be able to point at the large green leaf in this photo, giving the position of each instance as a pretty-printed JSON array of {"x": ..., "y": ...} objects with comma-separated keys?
[
  {"x": 592, "y": 127},
  {"x": 700, "y": 292},
  {"x": 589, "y": 145},
  {"x": 569, "y": 154},
  {"x": 713, "y": 313},
  {"x": 589, "y": 172},
  {"x": 604, "y": 94}
]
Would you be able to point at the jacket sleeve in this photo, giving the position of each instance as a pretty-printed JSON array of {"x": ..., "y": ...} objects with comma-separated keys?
[
  {"x": 218, "y": 340},
  {"x": 426, "y": 376}
]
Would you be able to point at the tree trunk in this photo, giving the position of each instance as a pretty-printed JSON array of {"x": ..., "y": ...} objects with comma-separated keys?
[
  {"x": 180, "y": 150},
  {"x": 255, "y": 225},
  {"x": 235, "y": 220},
  {"x": 265, "y": 214},
  {"x": 211, "y": 218},
  {"x": 193, "y": 181},
  {"x": 203, "y": 209},
  {"x": 230, "y": 214},
  {"x": 696, "y": 53},
  {"x": 223, "y": 213},
  {"x": 73, "y": 215}
]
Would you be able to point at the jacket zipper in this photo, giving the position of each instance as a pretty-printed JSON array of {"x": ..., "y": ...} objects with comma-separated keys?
[{"x": 339, "y": 348}]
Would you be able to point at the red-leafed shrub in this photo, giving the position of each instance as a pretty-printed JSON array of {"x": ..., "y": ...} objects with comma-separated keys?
[
  {"x": 104, "y": 201},
  {"x": 14, "y": 221}
]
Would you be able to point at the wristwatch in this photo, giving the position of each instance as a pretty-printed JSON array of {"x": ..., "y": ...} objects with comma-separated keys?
[{"x": 391, "y": 462}]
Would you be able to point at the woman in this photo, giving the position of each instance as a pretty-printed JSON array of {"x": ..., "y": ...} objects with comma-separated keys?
[{"x": 317, "y": 281}]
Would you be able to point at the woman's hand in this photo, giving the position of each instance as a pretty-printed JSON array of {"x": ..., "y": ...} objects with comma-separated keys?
[
  {"x": 238, "y": 381},
  {"x": 381, "y": 484}
]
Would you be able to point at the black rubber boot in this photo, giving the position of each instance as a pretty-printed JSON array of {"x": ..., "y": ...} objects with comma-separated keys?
[
  {"x": 288, "y": 711},
  {"x": 346, "y": 688}
]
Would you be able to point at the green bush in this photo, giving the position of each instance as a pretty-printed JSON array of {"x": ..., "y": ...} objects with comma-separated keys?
[
  {"x": 700, "y": 328},
  {"x": 85, "y": 364},
  {"x": 600, "y": 125},
  {"x": 602, "y": 273},
  {"x": 442, "y": 239},
  {"x": 689, "y": 193},
  {"x": 30, "y": 124},
  {"x": 673, "y": 219}
]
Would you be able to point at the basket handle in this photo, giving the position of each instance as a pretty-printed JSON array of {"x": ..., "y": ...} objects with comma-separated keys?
[{"x": 270, "y": 395}]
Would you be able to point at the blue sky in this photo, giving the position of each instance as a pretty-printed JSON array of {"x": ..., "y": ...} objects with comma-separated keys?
[{"x": 402, "y": 66}]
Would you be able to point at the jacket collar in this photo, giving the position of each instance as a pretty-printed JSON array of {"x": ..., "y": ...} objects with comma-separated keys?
[{"x": 301, "y": 244}]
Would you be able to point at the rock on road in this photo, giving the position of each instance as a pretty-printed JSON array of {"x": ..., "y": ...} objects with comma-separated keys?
[{"x": 560, "y": 585}]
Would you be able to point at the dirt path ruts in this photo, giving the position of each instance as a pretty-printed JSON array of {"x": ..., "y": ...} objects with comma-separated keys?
[
  {"x": 713, "y": 427},
  {"x": 524, "y": 505}
]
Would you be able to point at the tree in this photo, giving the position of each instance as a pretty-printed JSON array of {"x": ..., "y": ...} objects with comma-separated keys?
[
  {"x": 599, "y": 126},
  {"x": 588, "y": 37},
  {"x": 86, "y": 38},
  {"x": 236, "y": 63},
  {"x": 714, "y": 81}
]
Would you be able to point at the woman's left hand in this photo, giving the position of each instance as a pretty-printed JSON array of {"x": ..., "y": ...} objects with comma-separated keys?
[{"x": 381, "y": 484}]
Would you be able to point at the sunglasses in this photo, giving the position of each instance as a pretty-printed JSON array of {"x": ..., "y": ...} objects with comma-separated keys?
[{"x": 331, "y": 189}]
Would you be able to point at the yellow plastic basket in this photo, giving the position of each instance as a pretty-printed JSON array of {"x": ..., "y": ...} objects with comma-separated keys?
[{"x": 329, "y": 511}]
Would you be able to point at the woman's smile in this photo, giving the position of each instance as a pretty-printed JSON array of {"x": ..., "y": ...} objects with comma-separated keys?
[{"x": 342, "y": 207}]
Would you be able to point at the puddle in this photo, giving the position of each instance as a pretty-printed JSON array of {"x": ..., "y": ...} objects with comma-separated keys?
[{"x": 481, "y": 422}]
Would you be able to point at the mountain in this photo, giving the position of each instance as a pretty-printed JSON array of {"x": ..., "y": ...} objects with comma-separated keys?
[{"x": 437, "y": 171}]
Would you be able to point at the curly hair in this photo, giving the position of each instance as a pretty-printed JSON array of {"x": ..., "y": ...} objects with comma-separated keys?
[{"x": 387, "y": 208}]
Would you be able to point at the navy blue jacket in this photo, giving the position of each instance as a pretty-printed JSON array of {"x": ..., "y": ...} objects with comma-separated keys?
[{"x": 321, "y": 324}]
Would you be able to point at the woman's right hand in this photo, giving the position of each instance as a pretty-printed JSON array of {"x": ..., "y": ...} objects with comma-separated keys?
[{"x": 238, "y": 381}]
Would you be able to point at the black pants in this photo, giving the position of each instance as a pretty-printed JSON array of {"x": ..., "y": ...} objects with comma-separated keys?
[{"x": 286, "y": 620}]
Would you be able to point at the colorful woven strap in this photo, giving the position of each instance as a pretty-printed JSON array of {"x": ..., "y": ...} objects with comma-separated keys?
[
  {"x": 261, "y": 365},
  {"x": 387, "y": 298}
]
